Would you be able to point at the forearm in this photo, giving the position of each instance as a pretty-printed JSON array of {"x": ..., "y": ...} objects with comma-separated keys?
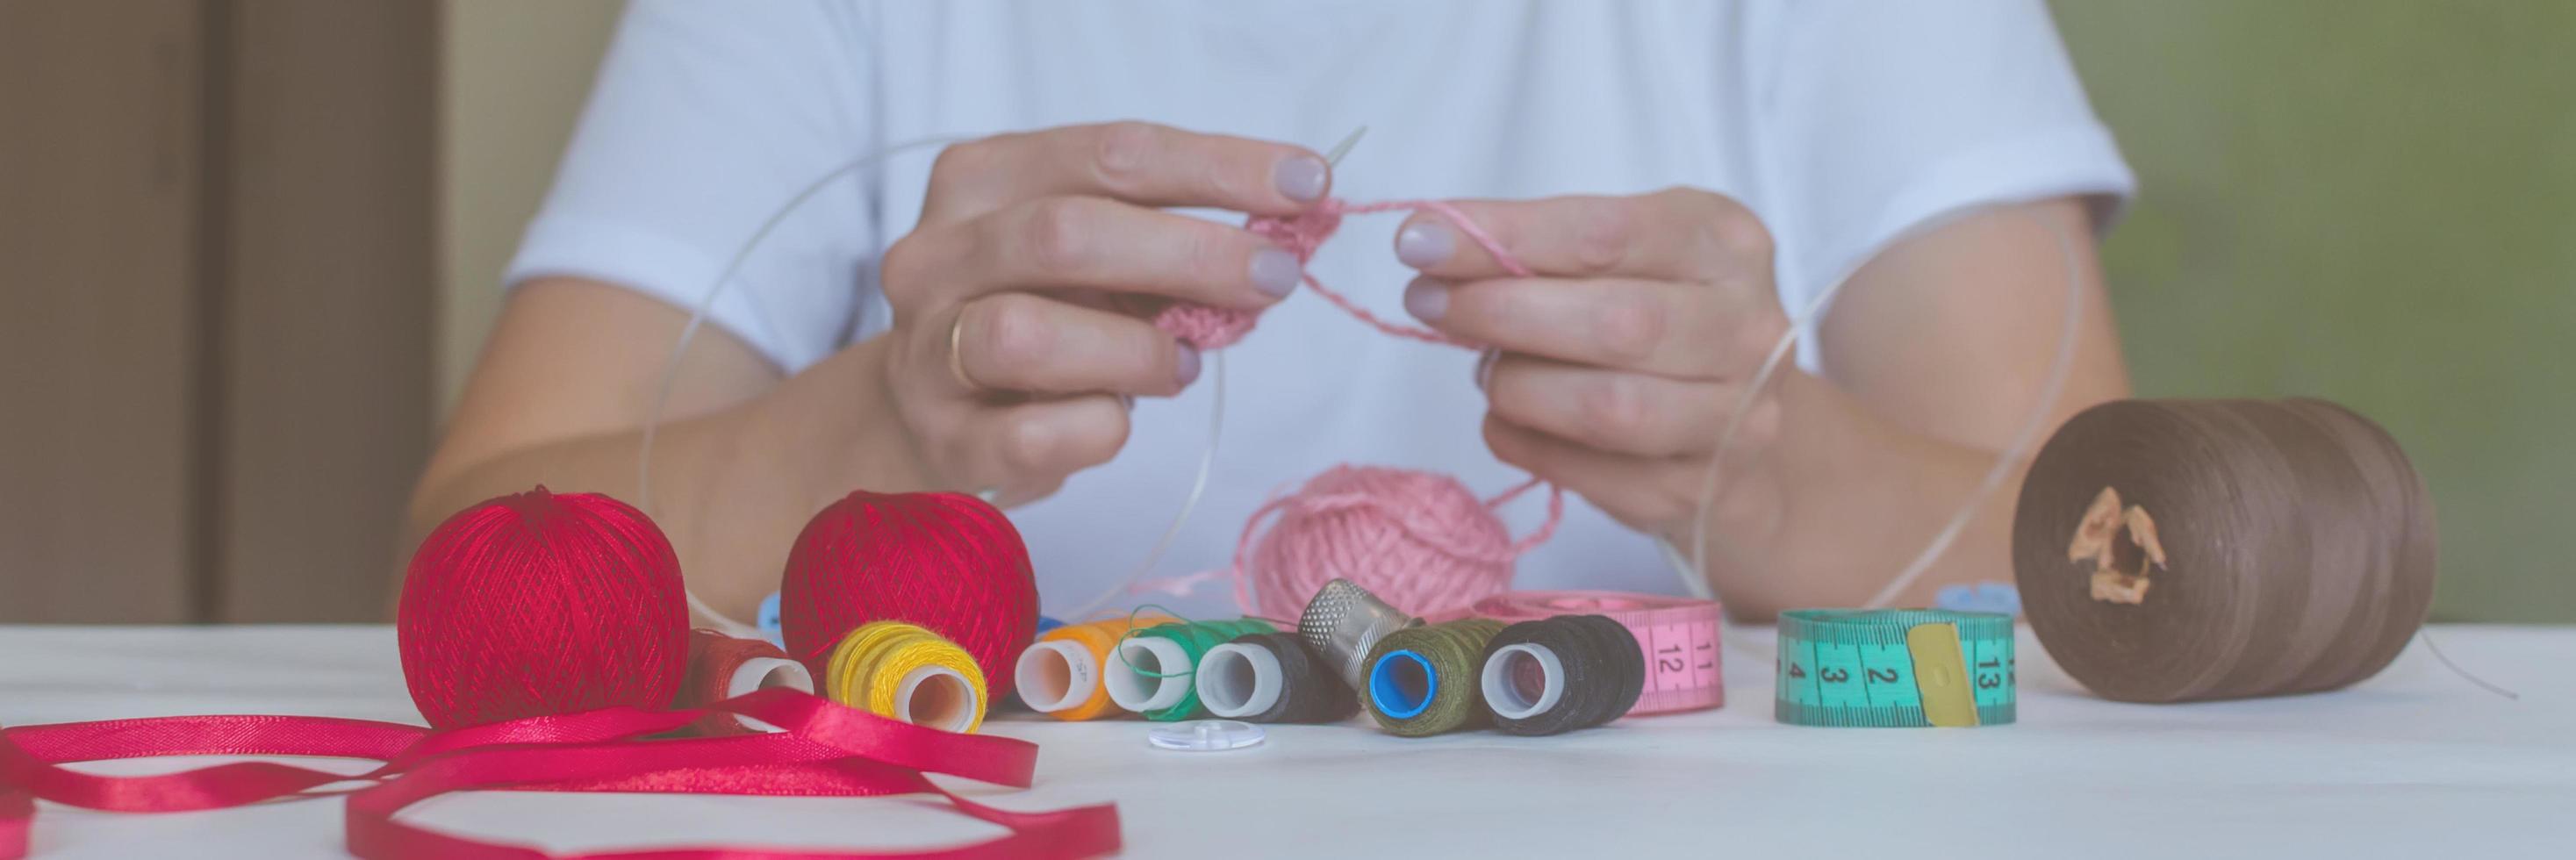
[
  {"x": 730, "y": 488},
  {"x": 1933, "y": 362},
  {"x": 1855, "y": 497}
]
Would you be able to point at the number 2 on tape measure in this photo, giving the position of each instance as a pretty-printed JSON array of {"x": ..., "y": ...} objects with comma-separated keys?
[{"x": 1848, "y": 676}]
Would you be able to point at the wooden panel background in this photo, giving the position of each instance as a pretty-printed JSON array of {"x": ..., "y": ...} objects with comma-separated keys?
[
  {"x": 215, "y": 305},
  {"x": 328, "y": 303},
  {"x": 100, "y": 195}
]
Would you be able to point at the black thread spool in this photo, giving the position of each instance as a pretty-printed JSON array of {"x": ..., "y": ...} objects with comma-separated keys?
[
  {"x": 2183, "y": 550},
  {"x": 1272, "y": 678},
  {"x": 1559, "y": 674}
]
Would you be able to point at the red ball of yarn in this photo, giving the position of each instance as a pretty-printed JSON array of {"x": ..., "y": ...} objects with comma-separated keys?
[
  {"x": 536, "y": 604},
  {"x": 947, "y": 562}
]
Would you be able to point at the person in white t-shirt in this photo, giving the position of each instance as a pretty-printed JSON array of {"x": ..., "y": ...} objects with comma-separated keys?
[{"x": 1682, "y": 176}]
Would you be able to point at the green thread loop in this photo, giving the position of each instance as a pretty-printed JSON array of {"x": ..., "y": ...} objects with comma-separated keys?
[{"x": 1195, "y": 638}]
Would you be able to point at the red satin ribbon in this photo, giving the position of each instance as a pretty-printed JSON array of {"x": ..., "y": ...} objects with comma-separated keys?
[{"x": 827, "y": 750}]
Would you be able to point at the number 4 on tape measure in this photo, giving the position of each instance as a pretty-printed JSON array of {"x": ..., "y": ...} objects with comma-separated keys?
[{"x": 1895, "y": 668}]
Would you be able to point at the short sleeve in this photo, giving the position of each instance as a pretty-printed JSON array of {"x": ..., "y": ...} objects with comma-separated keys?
[
  {"x": 705, "y": 119},
  {"x": 1880, "y": 117}
]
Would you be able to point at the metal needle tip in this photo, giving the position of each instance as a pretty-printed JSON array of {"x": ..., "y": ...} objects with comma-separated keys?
[{"x": 1334, "y": 158}]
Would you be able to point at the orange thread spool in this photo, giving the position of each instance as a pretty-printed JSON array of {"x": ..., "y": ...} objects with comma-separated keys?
[{"x": 1060, "y": 675}]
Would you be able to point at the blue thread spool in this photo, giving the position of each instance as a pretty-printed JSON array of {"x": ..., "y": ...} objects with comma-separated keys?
[
  {"x": 770, "y": 628},
  {"x": 1996, "y": 597}
]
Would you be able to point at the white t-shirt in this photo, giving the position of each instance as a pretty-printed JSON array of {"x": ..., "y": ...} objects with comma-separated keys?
[{"x": 1840, "y": 124}]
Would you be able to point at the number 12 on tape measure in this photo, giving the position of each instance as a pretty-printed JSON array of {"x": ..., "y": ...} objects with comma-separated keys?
[{"x": 1895, "y": 668}]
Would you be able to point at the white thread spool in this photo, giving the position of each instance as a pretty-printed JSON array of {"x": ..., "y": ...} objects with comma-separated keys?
[
  {"x": 1055, "y": 674},
  {"x": 761, "y": 673},
  {"x": 1504, "y": 694},
  {"x": 1135, "y": 685},
  {"x": 1239, "y": 680},
  {"x": 938, "y": 697}
]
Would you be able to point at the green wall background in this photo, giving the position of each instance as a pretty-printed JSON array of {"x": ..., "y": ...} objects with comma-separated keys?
[{"x": 2372, "y": 201}]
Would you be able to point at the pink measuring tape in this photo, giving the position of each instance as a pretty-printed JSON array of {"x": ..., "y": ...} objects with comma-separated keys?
[{"x": 1679, "y": 636}]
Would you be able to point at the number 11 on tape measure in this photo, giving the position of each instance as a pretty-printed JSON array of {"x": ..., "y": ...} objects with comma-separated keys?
[{"x": 1901, "y": 667}]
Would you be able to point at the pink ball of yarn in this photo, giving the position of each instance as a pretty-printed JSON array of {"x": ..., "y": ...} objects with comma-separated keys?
[{"x": 1420, "y": 540}]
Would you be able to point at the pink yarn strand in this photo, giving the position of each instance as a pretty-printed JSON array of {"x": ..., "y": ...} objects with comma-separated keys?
[{"x": 1547, "y": 527}]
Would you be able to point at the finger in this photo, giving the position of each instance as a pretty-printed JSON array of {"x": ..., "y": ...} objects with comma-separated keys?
[
  {"x": 1030, "y": 343},
  {"x": 1088, "y": 243},
  {"x": 1675, "y": 328},
  {"x": 1678, "y": 234},
  {"x": 1618, "y": 411},
  {"x": 1027, "y": 447},
  {"x": 1142, "y": 163},
  {"x": 1639, "y": 491}
]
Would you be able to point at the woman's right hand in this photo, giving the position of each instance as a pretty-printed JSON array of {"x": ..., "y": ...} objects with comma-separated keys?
[{"x": 1010, "y": 365}]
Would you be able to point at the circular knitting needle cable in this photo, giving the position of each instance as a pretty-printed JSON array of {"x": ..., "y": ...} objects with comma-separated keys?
[{"x": 1695, "y": 577}]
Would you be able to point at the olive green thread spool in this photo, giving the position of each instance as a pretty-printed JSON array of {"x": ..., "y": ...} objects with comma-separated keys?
[{"x": 1423, "y": 680}]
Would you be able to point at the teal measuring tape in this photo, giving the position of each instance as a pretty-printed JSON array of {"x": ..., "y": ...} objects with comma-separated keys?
[{"x": 1895, "y": 667}]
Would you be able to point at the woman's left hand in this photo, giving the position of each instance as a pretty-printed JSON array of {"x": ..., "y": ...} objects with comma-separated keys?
[{"x": 1617, "y": 363}]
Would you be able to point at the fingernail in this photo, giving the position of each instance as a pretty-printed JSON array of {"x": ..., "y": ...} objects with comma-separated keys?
[
  {"x": 1189, "y": 365},
  {"x": 1485, "y": 369},
  {"x": 1275, "y": 272},
  {"x": 1425, "y": 243},
  {"x": 1426, "y": 299},
  {"x": 1129, "y": 401},
  {"x": 1300, "y": 177}
]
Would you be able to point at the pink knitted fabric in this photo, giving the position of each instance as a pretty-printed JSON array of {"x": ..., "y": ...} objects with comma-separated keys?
[{"x": 1209, "y": 328}]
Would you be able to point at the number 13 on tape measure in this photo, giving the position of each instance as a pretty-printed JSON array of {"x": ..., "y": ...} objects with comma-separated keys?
[{"x": 1895, "y": 668}]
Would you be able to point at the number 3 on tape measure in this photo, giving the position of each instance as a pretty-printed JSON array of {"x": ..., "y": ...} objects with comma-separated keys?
[{"x": 1895, "y": 668}]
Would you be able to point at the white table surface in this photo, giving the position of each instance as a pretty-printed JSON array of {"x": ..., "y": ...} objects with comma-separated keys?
[{"x": 2414, "y": 763}]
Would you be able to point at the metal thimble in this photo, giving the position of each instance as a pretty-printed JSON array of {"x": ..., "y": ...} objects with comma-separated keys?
[{"x": 1343, "y": 622}]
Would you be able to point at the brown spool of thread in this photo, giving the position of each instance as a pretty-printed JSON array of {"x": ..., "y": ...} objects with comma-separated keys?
[{"x": 2185, "y": 550}]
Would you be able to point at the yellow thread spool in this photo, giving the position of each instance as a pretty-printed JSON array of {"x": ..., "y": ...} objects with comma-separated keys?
[
  {"x": 908, "y": 673},
  {"x": 1060, "y": 676}
]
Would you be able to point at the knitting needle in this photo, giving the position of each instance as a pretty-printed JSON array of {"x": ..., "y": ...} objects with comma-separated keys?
[{"x": 1334, "y": 158}]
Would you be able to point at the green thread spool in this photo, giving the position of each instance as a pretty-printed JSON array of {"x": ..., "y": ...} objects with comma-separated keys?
[
  {"x": 1895, "y": 667},
  {"x": 1161, "y": 661},
  {"x": 1423, "y": 680}
]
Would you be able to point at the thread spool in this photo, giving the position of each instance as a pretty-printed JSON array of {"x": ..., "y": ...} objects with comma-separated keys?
[
  {"x": 1153, "y": 669},
  {"x": 538, "y": 603},
  {"x": 1556, "y": 675},
  {"x": 1418, "y": 538},
  {"x": 944, "y": 561},
  {"x": 906, "y": 672},
  {"x": 1271, "y": 678},
  {"x": 722, "y": 667},
  {"x": 1061, "y": 675},
  {"x": 2185, "y": 550},
  {"x": 1679, "y": 637},
  {"x": 1424, "y": 680}
]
